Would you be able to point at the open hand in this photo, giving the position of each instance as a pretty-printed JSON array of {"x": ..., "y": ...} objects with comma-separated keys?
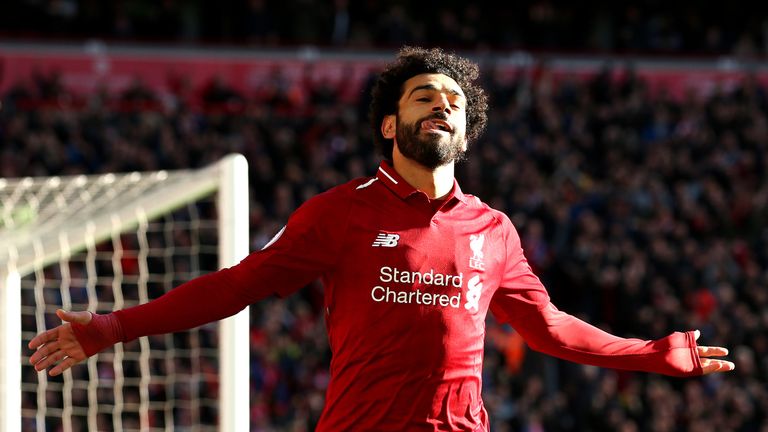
[
  {"x": 710, "y": 365},
  {"x": 59, "y": 346}
]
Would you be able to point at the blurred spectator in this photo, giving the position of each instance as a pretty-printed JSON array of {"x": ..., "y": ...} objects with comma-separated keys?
[{"x": 536, "y": 25}]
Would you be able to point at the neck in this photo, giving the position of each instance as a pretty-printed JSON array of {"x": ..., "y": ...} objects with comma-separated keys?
[{"x": 436, "y": 183}]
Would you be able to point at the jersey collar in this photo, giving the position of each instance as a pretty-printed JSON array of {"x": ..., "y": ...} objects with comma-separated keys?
[{"x": 387, "y": 175}]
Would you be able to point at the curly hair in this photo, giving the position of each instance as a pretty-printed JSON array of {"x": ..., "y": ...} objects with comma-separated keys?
[{"x": 412, "y": 61}]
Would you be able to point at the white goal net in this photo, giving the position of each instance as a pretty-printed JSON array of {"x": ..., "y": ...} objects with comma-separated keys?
[{"x": 108, "y": 242}]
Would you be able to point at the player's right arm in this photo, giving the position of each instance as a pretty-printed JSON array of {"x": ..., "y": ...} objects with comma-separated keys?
[{"x": 307, "y": 247}]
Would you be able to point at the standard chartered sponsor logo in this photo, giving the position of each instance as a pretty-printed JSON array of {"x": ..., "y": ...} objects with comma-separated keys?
[
  {"x": 393, "y": 275},
  {"x": 389, "y": 274},
  {"x": 387, "y": 295}
]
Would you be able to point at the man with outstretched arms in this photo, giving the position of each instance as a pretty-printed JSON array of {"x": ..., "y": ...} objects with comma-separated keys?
[{"x": 411, "y": 266}]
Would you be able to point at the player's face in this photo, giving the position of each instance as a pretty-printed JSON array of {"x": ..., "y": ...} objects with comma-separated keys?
[{"x": 431, "y": 122}]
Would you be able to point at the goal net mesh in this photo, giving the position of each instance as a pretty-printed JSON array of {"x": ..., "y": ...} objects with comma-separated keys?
[{"x": 108, "y": 242}]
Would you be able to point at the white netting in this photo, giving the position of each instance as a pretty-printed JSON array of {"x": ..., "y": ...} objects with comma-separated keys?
[{"x": 103, "y": 243}]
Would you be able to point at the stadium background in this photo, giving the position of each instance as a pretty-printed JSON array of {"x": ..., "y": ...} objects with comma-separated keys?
[{"x": 641, "y": 196}]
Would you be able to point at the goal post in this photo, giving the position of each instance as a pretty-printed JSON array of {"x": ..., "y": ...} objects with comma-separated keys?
[
  {"x": 233, "y": 331},
  {"x": 104, "y": 242},
  {"x": 10, "y": 353}
]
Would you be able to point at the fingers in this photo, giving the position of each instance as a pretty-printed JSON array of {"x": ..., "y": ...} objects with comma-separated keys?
[
  {"x": 50, "y": 360},
  {"x": 44, "y": 352},
  {"x": 43, "y": 338},
  {"x": 50, "y": 354},
  {"x": 709, "y": 366},
  {"x": 64, "y": 365},
  {"x": 82, "y": 317},
  {"x": 708, "y": 351}
]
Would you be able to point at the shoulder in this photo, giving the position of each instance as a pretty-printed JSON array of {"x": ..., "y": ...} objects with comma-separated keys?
[
  {"x": 337, "y": 199},
  {"x": 482, "y": 207},
  {"x": 348, "y": 189},
  {"x": 502, "y": 223}
]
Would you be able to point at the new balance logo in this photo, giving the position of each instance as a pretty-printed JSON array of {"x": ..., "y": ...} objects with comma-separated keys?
[{"x": 386, "y": 240}]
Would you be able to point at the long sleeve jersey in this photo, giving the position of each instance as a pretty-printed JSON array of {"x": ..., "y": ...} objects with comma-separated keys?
[{"x": 408, "y": 284}]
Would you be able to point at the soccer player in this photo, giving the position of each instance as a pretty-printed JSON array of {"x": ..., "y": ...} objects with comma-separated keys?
[{"x": 411, "y": 266}]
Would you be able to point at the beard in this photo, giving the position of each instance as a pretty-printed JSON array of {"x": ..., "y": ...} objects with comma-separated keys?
[{"x": 428, "y": 149}]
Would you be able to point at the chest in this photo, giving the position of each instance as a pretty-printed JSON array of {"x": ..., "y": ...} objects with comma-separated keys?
[{"x": 419, "y": 264}]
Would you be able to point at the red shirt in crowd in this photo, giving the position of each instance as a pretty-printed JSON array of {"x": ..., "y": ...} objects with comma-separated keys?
[{"x": 408, "y": 283}]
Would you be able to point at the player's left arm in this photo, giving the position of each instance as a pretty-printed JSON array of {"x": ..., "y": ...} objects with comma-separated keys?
[
  {"x": 523, "y": 302},
  {"x": 559, "y": 334}
]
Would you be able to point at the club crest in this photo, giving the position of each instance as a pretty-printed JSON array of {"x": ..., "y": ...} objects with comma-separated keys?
[{"x": 476, "y": 242}]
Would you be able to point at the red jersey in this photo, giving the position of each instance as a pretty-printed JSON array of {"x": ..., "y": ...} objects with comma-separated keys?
[{"x": 408, "y": 283}]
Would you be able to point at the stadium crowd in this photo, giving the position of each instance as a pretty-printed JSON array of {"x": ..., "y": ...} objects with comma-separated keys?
[
  {"x": 620, "y": 27},
  {"x": 641, "y": 213}
]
